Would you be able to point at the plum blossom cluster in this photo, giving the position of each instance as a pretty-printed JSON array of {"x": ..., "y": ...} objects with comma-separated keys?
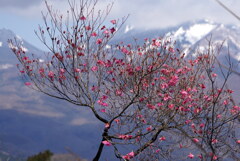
[
  {"x": 157, "y": 91},
  {"x": 149, "y": 97}
]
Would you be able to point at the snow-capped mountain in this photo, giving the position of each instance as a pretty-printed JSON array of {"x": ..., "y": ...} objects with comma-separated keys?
[
  {"x": 191, "y": 35},
  {"x": 7, "y": 57}
]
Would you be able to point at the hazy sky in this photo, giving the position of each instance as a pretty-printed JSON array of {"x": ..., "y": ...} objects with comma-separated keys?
[{"x": 23, "y": 16}]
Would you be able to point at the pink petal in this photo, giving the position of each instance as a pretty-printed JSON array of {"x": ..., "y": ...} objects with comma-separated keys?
[
  {"x": 28, "y": 83},
  {"x": 107, "y": 143}
]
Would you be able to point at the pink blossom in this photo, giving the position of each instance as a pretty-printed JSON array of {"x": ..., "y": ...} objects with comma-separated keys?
[
  {"x": 197, "y": 110},
  {"x": 77, "y": 70},
  {"x": 107, "y": 143},
  {"x": 103, "y": 110},
  {"x": 50, "y": 74},
  {"x": 214, "y": 141},
  {"x": 236, "y": 107},
  {"x": 188, "y": 121},
  {"x": 200, "y": 156},
  {"x": 28, "y": 83},
  {"x": 202, "y": 86},
  {"x": 104, "y": 97},
  {"x": 214, "y": 75},
  {"x": 106, "y": 32},
  {"x": 164, "y": 85},
  {"x": 180, "y": 146},
  {"x": 103, "y": 27},
  {"x": 117, "y": 121},
  {"x": 99, "y": 41},
  {"x": 125, "y": 137},
  {"x": 184, "y": 93},
  {"x": 190, "y": 155},
  {"x": 171, "y": 106},
  {"x": 94, "y": 68},
  {"x": 225, "y": 102},
  {"x": 193, "y": 126},
  {"x": 162, "y": 138},
  {"x": 238, "y": 141},
  {"x": 94, "y": 88},
  {"x": 167, "y": 97},
  {"x": 107, "y": 125},
  {"x": 100, "y": 62},
  {"x": 88, "y": 28},
  {"x": 157, "y": 151},
  {"x": 41, "y": 72},
  {"x": 156, "y": 43},
  {"x": 69, "y": 56},
  {"x": 144, "y": 121},
  {"x": 80, "y": 54},
  {"x": 138, "y": 68},
  {"x": 162, "y": 78},
  {"x": 112, "y": 30},
  {"x": 181, "y": 108},
  {"x": 150, "y": 106},
  {"x": 62, "y": 71},
  {"x": 25, "y": 58},
  {"x": 124, "y": 50},
  {"x": 165, "y": 71},
  {"x": 100, "y": 102},
  {"x": 128, "y": 156},
  {"x": 149, "y": 128},
  {"x": 119, "y": 92},
  {"x": 82, "y": 18},
  {"x": 110, "y": 72},
  {"x": 219, "y": 116},
  {"x": 94, "y": 34},
  {"x": 104, "y": 104},
  {"x": 230, "y": 91},
  {"x": 170, "y": 49},
  {"x": 215, "y": 157},
  {"x": 113, "y": 21},
  {"x": 131, "y": 154},
  {"x": 173, "y": 81},
  {"x": 179, "y": 71},
  {"x": 141, "y": 99},
  {"x": 202, "y": 125},
  {"x": 160, "y": 104},
  {"x": 195, "y": 140}
]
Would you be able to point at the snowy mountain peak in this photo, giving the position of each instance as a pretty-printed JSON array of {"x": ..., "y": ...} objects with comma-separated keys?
[
  {"x": 5, "y": 35},
  {"x": 5, "y": 52},
  {"x": 128, "y": 28},
  {"x": 192, "y": 32}
]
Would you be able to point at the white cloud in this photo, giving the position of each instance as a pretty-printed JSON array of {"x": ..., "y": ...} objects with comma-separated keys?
[
  {"x": 81, "y": 121},
  {"x": 41, "y": 113},
  {"x": 5, "y": 66},
  {"x": 1, "y": 44},
  {"x": 146, "y": 13}
]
